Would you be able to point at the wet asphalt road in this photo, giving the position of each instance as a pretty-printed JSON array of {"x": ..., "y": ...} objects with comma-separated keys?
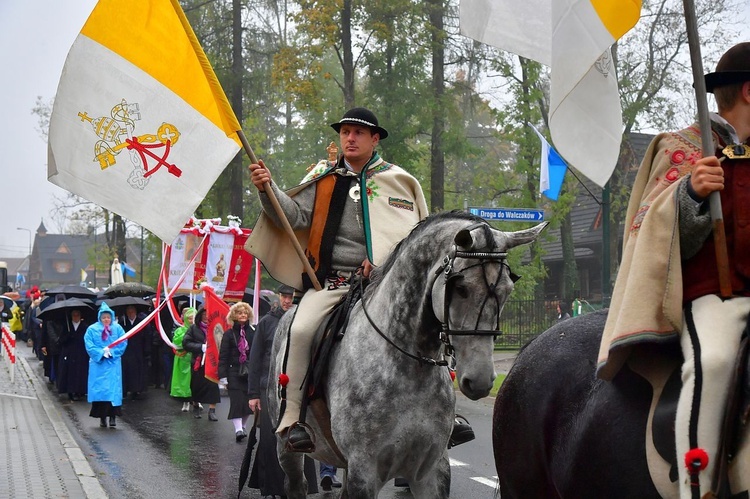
[{"x": 159, "y": 452}]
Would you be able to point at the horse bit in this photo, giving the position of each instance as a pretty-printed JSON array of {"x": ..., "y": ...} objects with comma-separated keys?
[{"x": 448, "y": 271}]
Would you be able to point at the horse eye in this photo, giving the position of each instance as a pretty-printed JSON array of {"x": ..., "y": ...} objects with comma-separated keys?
[{"x": 462, "y": 291}]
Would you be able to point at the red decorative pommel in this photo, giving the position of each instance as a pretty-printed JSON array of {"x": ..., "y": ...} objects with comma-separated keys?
[
  {"x": 696, "y": 460},
  {"x": 453, "y": 375},
  {"x": 283, "y": 379}
]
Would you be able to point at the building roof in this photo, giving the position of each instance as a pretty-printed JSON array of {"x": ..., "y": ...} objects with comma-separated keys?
[{"x": 62, "y": 256}]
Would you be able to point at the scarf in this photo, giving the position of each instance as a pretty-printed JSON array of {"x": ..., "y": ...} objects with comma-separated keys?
[
  {"x": 105, "y": 333},
  {"x": 330, "y": 199},
  {"x": 242, "y": 345}
]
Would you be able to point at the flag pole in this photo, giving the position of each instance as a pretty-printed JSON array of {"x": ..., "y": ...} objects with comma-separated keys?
[
  {"x": 707, "y": 145},
  {"x": 280, "y": 213}
]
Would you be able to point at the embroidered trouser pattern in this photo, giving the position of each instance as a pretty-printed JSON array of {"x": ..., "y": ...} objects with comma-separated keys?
[
  {"x": 709, "y": 349},
  {"x": 311, "y": 311}
]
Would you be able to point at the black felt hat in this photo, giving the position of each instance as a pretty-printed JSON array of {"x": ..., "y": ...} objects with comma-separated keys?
[
  {"x": 363, "y": 117},
  {"x": 285, "y": 290},
  {"x": 733, "y": 67}
]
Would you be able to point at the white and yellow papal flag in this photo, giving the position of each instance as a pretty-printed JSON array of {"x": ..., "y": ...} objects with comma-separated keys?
[
  {"x": 573, "y": 38},
  {"x": 140, "y": 124}
]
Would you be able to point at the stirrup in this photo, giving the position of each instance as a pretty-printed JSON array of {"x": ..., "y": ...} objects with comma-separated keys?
[
  {"x": 462, "y": 432},
  {"x": 303, "y": 441}
]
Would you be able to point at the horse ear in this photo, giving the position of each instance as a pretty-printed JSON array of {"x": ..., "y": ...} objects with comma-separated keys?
[
  {"x": 463, "y": 239},
  {"x": 525, "y": 236}
]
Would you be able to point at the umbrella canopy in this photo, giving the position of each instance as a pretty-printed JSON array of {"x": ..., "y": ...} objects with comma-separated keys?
[
  {"x": 61, "y": 309},
  {"x": 129, "y": 289},
  {"x": 264, "y": 304},
  {"x": 6, "y": 303},
  {"x": 72, "y": 291},
  {"x": 120, "y": 303}
]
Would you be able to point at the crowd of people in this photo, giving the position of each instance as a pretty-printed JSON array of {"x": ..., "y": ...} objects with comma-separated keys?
[{"x": 79, "y": 362}]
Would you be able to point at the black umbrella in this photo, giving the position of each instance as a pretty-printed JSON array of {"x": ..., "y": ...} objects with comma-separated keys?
[
  {"x": 121, "y": 302},
  {"x": 71, "y": 291},
  {"x": 129, "y": 289},
  {"x": 62, "y": 309},
  {"x": 245, "y": 466},
  {"x": 7, "y": 303},
  {"x": 264, "y": 303}
]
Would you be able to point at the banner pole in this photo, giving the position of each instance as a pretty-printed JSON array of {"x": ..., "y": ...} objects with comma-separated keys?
[{"x": 707, "y": 145}]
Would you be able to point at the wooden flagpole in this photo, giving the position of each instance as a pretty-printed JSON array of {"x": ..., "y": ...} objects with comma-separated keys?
[
  {"x": 707, "y": 145},
  {"x": 280, "y": 213}
]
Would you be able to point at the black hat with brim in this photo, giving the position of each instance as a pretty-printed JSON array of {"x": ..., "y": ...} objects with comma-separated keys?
[
  {"x": 733, "y": 67},
  {"x": 362, "y": 117},
  {"x": 724, "y": 78},
  {"x": 285, "y": 290}
]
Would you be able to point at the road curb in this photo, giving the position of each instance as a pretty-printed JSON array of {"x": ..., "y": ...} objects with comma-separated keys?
[{"x": 86, "y": 476}]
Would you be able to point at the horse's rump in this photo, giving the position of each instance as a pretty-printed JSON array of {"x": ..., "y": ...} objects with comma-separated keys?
[
  {"x": 558, "y": 431},
  {"x": 554, "y": 433}
]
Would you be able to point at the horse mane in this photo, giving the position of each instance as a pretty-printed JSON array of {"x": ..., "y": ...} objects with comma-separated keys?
[{"x": 424, "y": 225}]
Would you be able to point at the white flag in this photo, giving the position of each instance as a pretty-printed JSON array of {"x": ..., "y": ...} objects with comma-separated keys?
[
  {"x": 585, "y": 114},
  {"x": 140, "y": 124}
]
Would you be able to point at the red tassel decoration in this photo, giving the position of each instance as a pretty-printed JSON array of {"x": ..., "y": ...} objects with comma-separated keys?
[
  {"x": 453, "y": 375},
  {"x": 283, "y": 379},
  {"x": 696, "y": 460}
]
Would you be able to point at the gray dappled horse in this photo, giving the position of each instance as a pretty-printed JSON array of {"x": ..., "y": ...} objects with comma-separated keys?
[
  {"x": 560, "y": 432},
  {"x": 390, "y": 400}
]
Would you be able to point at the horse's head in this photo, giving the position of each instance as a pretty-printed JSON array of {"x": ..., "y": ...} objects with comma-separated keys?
[{"x": 471, "y": 285}]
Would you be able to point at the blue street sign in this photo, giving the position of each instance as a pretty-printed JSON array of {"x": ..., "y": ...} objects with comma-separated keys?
[{"x": 509, "y": 214}]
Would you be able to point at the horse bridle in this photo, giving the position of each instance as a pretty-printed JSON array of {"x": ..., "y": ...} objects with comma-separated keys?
[{"x": 448, "y": 271}]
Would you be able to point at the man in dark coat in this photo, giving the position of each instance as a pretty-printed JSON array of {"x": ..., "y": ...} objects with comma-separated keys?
[
  {"x": 74, "y": 360},
  {"x": 267, "y": 475},
  {"x": 49, "y": 342},
  {"x": 136, "y": 356}
]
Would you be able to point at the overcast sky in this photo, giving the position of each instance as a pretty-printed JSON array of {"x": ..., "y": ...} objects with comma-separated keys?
[{"x": 35, "y": 36}]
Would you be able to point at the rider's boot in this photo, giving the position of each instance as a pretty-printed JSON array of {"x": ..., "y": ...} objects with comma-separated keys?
[
  {"x": 298, "y": 439},
  {"x": 461, "y": 433}
]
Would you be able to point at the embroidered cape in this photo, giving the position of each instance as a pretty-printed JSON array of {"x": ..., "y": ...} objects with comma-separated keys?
[
  {"x": 647, "y": 299},
  {"x": 394, "y": 203}
]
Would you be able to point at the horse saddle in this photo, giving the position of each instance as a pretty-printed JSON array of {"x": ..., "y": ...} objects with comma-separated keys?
[{"x": 330, "y": 332}]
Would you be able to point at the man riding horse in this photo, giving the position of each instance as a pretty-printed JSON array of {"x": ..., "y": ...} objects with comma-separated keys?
[
  {"x": 667, "y": 288},
  {"x": 349, "y": 214}
]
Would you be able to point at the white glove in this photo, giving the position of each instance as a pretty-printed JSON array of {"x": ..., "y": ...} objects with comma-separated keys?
[
  {"x": 223, "y": 382},
  {"x": 203, "y": 347},
  {"x": 107, "y": 353}
]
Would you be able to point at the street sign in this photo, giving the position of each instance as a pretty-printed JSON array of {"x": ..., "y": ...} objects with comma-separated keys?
[{"x": 509, "y": 214}]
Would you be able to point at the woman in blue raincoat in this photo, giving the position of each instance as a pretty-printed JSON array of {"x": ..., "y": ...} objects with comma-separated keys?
[{"x": 105, "y": 367}]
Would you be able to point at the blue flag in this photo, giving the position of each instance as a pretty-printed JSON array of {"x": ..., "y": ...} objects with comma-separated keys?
[
  {"x": 127, "y": 270},
  {"x": 552, "y": 169}
]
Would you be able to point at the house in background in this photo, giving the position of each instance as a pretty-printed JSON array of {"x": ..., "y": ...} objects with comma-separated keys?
[
  {"x": 586, "y": 220},
  {"x": 58, "y": 259}
]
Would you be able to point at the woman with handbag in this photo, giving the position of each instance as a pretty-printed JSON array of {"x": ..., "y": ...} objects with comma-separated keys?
[{"x": 233, "y": 364}]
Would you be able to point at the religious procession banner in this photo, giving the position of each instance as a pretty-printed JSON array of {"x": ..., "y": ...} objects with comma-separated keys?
[
  {"x": 216, "y": 316},
  {"x": 222, "y": 261},
  {"x": 140, "y": 124}
]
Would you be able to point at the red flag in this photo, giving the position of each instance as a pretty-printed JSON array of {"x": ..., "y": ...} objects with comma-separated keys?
[{"x": 216, "y": 314}]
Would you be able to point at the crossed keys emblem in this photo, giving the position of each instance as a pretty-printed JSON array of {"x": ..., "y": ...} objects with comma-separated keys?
[{"x": 148, "y": 152}]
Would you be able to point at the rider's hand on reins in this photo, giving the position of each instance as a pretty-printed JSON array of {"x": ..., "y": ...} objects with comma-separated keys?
[{"x": 365, "y": 268}]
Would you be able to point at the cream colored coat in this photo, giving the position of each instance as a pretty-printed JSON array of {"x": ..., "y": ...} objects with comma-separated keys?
[
  {"x": 647, "y": 299},
  {"x": 394, "y": 204}
]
